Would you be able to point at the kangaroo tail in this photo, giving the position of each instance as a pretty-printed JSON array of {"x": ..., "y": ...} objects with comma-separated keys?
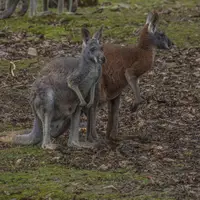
[{"x": 34, "y": 137}]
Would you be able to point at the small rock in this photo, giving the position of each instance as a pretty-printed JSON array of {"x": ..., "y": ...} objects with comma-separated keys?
[
  {"x": 157, "y": 147},
  {"x": 115, "y": 8},
  {"x": 143, "y": 158},
  {"x": 32, "y": 52},
  {"x": 18, "y": 161},
  {"x": 124, "y": 5},
  {"x": 46, "y": 43},
  {"x": 104, "y": 167},
  {"x": 124, "y": 163}
]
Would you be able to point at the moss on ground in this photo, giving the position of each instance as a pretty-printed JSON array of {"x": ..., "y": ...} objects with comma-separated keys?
[
  {"x": 119, "y": 25},
  {"x": 28, "y": 173}
]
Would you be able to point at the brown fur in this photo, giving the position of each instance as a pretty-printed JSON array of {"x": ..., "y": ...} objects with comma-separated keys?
[
  {"x": 124, "y": 65},
  {"x": 136, "y": 59}
]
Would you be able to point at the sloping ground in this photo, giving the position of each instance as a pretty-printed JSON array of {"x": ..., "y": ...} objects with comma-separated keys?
[{"x": 159, "y": 157}]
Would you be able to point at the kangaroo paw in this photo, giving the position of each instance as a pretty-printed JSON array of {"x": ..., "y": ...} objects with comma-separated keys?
[
  {"x": 87, "y": 145},
  {"x": 74, "y": 144},
  {"x": 83, "y": 104},
  {"x": 50, "y": 146}
]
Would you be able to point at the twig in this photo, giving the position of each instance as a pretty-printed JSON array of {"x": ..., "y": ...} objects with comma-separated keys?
[
  {"x": 111, "y": 187},
  {"x": 12, "y": 68}
]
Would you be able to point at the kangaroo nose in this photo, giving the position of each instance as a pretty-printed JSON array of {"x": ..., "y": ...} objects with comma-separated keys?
[{"x": 103, "y": 59}]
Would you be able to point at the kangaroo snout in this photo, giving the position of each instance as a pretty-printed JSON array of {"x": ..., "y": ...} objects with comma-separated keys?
[
  {"x": 102, "y": 59},
  {"x": 169, "y": 45},
  {"x": 166, "y": 46}
]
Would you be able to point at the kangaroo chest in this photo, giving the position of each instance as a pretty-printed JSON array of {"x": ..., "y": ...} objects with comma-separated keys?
[{"x": 90, "y": 80}]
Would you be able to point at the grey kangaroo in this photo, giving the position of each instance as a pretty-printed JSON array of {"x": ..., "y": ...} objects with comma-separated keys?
[
  {"x": 53, "y": 100},
  {"x": 12, "y": 4}
]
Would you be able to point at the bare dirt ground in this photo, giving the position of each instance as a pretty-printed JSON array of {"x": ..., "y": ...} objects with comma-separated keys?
[{"x": 161, "y": 139}]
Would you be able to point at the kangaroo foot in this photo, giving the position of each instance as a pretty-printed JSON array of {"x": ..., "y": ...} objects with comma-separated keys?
[
  {"x": 95, "y": 135},
  {"x": 79, "y": 145},
  {"x": 50, "y": 146},
  {"x": 83, "y": 103},
  {"x": 92, "y": 137},
  {"x": 74, "y": 144},
  {"x": 135, "y": 106},
  {"x": 112, "y": 136},
  {"x": 87, "y": 145}
]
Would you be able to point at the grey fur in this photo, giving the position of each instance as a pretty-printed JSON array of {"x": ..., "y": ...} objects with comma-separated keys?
[
  {"x": 92, "y": 54},
  {"x": 53, "y": 101}
]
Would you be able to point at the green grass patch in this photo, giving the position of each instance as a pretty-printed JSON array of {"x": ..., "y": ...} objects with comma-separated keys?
[
  {"x": 29, "y": 173},
  {"x": 58, "y": 182}
]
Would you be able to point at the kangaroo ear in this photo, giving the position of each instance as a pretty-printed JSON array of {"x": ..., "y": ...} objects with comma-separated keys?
[
  {"x": 98, "y": 34},
  {"x": 149, "y": 17},
  {"x": 85, "y": 35},
  {"x": 152, "y": 21}
]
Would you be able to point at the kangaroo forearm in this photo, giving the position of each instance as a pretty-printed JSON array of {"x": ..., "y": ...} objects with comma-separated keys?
[
  {"x": 133, "y": 82},
  {"x": 92, "y": 92},
  {"x": 78, "y": 93}
]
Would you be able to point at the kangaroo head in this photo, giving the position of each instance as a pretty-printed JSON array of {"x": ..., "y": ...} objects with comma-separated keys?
[
  {"x": 155, "y": 37},
  {"x": 92, "y": 48},
  {"x": 161, "y": 41}
]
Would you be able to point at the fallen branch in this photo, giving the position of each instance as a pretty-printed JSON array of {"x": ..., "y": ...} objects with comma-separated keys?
[{"x": 12, "y": 68}]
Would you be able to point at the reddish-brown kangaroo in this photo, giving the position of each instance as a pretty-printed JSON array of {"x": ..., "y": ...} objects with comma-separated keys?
[{"x": 124, "y": 65}]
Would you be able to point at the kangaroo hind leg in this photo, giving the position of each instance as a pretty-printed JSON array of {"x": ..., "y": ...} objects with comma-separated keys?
[
  {"x": 44, "y": 107},
  {"x": 74, "y": 131}
]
